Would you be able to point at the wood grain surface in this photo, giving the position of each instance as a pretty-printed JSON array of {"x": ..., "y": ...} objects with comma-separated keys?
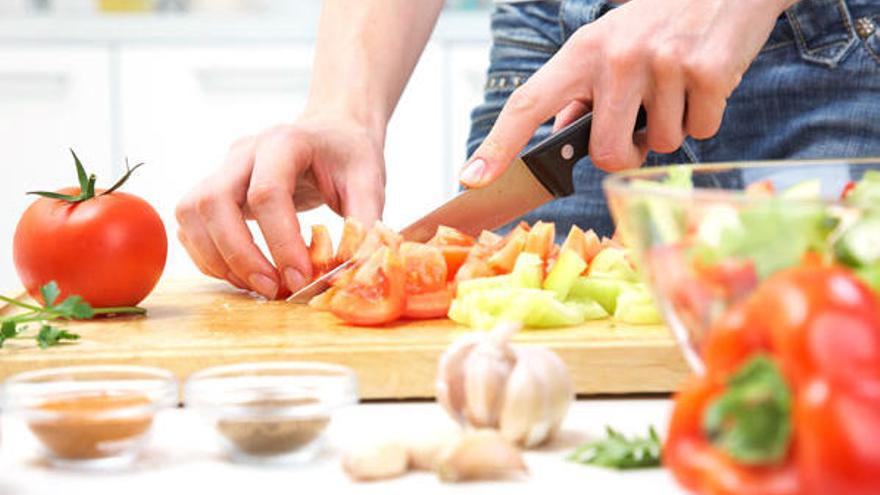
[{"x": 193, "y": 324}]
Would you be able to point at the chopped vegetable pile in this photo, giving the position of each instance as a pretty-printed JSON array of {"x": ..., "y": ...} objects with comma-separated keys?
[{"x": 522, "y": 277}]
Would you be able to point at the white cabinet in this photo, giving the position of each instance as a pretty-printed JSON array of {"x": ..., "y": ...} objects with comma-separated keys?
[
  {"x": 51, "y": 99},
  {"x": 182, "y": 107}
]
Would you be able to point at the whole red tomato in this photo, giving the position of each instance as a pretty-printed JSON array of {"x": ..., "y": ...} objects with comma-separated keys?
[{"x": 108, "y": 247}]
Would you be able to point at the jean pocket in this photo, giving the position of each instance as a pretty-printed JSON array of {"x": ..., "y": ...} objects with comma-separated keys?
[
  {"x": 529, "y": 26},
  {"x": 868, "y": 29}
]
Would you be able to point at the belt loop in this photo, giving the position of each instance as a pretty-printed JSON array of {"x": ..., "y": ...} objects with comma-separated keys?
[{"x": 823, "y": 30}]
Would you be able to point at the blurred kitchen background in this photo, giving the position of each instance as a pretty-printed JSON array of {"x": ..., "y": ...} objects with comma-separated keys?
[{"x": 173, "y": 82}]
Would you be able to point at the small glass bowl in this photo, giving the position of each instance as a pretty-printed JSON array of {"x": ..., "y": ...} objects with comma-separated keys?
[
  {"x": 271, "y": 412},
  {"x": 91, "y": 417}
]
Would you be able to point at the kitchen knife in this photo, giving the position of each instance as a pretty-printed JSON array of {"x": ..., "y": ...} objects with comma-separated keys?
[{"x": 542, "y": 173}]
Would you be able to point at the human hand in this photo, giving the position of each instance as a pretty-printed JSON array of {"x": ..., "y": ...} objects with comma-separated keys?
[
  {"x": 681, "y": 59},
  {"x": 323, "y": 159}
]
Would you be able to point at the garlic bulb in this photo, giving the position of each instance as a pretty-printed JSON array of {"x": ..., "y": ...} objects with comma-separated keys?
[{"x": 486, "y": 382}]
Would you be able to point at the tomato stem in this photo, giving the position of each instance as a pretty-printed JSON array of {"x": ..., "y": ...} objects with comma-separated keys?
[{"x": 86, "y": 183}]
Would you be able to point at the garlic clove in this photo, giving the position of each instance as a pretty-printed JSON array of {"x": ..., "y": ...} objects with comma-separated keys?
[
  {"x": 424, "y": 451},
  {"x": 376, "y": 461},
  {"x": 560, "y": 390},
  {"x": 536, "y": 399},
  {"x": 479, "y": 454},
  {"x": 450, "y": 376},
  {"x": 487, "y": 369},
  {"x": 523, "y": 418}
]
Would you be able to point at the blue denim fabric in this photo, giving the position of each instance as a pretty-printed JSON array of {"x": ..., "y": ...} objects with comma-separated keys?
[{"x": 812, "y": 92}]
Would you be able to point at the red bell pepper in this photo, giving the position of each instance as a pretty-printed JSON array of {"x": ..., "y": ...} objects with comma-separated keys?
[{"x": 790, "y": 402}]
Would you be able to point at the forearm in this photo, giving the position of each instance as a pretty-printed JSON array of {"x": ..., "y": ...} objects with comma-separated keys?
[{"x": 366, "y": 51}]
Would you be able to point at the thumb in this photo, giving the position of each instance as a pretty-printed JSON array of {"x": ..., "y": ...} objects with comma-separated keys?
[{"x": 364, "y": 199}]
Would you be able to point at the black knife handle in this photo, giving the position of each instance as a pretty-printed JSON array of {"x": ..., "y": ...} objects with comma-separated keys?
[{"x": 552, "y": 160}]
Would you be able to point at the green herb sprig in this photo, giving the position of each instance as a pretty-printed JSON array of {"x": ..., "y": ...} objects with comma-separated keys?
[
  {"x": 619, "y": 452},
  {"x": 18, "y": 326}
]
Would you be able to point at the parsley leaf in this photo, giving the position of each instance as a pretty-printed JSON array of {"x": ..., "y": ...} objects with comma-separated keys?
[
  {"x": 619, "y": 452},
  {"x": 50, "y": 336},
  {"x": 50, "y": 293},
  {"x": 74, "y": 308},
  {"x": 8, "y": 330}
]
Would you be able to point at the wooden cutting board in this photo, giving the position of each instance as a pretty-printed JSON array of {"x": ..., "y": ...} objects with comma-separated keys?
[{"x": 193, "y": 324}]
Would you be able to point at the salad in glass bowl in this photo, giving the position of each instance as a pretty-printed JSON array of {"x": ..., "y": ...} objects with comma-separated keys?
[
  {"x": 708, "y": 235},
  {"x": 768, "y": 274}
]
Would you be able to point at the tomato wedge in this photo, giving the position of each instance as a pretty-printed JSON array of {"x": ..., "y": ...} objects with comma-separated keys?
[
  {"x": 454, "y": 245},
  {"x": 376, "y": 292},
  {"x": 321, "y": 251},
  {"x": 424, "y": 266},
  {"x": 448, "y": 236},
  {"x": 427, "y": 295},
  {"x": 503, "y": 259},
  {"x": 540, "y": 239},
  {"x": 377, "y": 237},
  {"x": 429, "y": 304},
  {"x": 353, "y": 234}
]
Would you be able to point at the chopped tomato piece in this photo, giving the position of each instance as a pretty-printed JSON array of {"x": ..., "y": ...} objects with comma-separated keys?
[
  {"x": 455, "y": 256},
  {"x": 448, "y": 236},
  {"x": 429, "y": 304},
  {"x": 847, "y": 189},
  {"x": 488, "y": 238},
  {"x": 424, "y": 266},
  {"x": 760, "y": 188},
  {"x": 376, "y": 293},
  {"x": 378, "y": 236},
  {"x": 353, "y": 234},
  {"x": 321, "y": 302},
  {"x": 540, "y": 239},
  {"x": 504, "y": 258},
  {"x": 321, "y": 251}
]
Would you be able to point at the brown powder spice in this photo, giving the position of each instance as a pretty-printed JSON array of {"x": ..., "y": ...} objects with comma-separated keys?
[
  {"x": 81, "y": 429},
  {"x": 272, "y": 435}
]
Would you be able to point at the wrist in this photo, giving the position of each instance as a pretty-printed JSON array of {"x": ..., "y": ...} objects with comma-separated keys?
[{"x": 370, "y": 119}]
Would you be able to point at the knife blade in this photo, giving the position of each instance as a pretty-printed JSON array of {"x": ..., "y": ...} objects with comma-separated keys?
[{"x": 539, "y": 175}]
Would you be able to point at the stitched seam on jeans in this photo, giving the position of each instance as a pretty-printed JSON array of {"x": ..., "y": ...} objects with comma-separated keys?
[
  {"x": 691, "y": 154},
  {"x": 483, "y": 118},
  {"x": 776, "y": 46},
  {"x": 511, "y": 41}
]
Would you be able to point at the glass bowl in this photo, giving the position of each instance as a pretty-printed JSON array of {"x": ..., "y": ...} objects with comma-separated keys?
[
  {"x": 271, "y": 412},
  {"x": 90, "y": 416},
  {"x": 706, "y": 235}
]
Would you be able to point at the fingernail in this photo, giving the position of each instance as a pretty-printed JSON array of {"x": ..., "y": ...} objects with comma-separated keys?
[
  {"x": 294, "y": 278},
  {"x": 264, "y": 285},
  {"x": 236, "y": 281},
  {"x": 473, "y": 172}
]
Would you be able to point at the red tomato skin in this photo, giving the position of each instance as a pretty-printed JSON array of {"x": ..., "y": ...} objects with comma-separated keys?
[{"x": 110, "y": 250}]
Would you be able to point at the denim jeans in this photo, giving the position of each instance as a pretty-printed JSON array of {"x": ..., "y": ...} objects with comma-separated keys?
[{"x": 812, "y": 92}]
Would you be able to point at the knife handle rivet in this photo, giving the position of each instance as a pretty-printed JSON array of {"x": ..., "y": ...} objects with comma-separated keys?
[{"x": 567, "y": 151}]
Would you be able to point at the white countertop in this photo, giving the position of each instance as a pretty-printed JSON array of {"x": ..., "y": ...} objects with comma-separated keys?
[{"x": 183, "y": 453}]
